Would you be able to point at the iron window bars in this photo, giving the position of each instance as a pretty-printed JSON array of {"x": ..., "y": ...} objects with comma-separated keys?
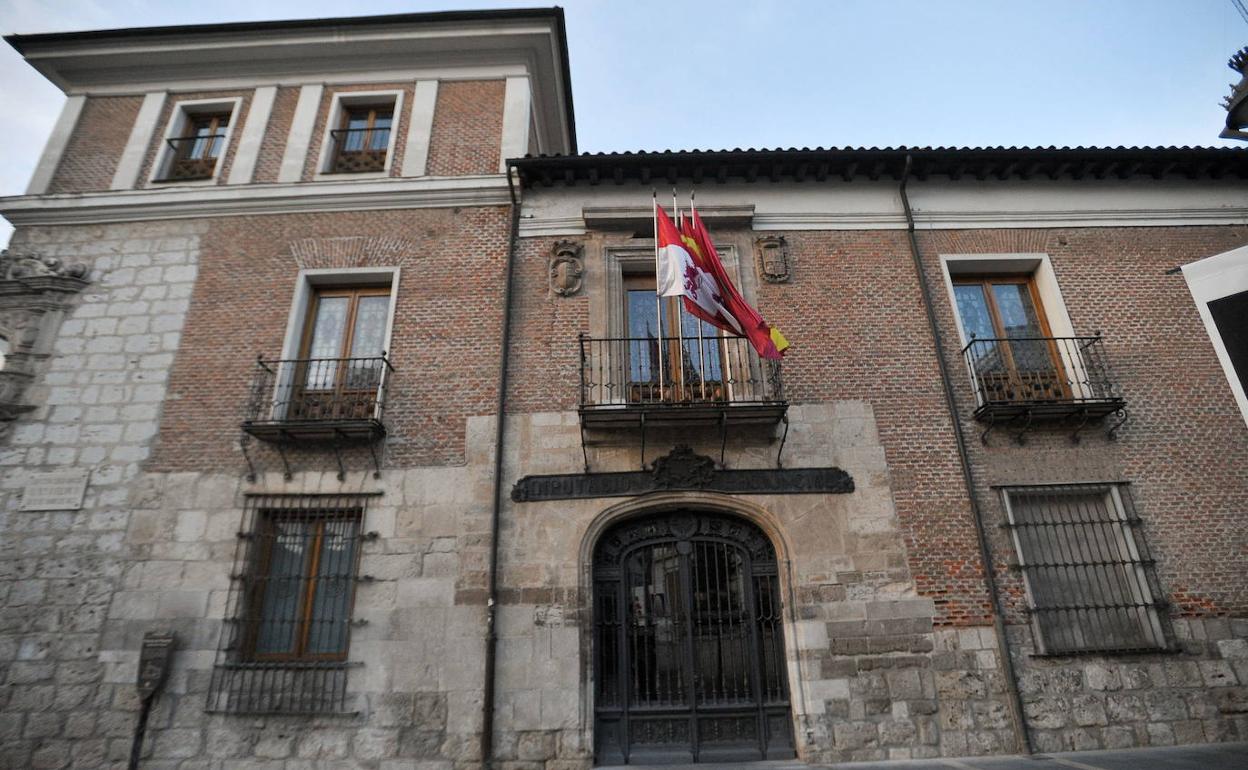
[
  {"x": 288, "y": 627},
  {"x": 625, "y": 371},
  {"x": 194, "y": 157},
  {"x": 358, "y": 150},
  {"x": 339, "y": 395},
  {"x": 1090, "y": 580}
]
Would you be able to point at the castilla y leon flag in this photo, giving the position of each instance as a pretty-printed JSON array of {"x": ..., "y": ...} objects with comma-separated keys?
[
  {"x": 678, "y": 274},
  {"x": 767, "y": 340}
]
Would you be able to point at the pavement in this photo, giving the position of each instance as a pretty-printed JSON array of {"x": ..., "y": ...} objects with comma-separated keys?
[{"x": 1207, "y": 756}]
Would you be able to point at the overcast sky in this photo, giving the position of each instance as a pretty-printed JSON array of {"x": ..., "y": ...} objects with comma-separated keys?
[{"x": 656, "y": 75}]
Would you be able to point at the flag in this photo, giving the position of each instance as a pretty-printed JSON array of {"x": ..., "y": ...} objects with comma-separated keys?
[
  {"x": 677, "y": 274},
  {"x": 769, "y": 342}
]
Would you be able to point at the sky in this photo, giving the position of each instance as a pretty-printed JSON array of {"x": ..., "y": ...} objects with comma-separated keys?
[{"x": 686, "y": 74}]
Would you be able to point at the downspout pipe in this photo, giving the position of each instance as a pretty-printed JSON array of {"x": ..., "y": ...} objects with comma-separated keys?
[
  {"x": 500, "y": 409},
  {"x": 968, "y": 478}
]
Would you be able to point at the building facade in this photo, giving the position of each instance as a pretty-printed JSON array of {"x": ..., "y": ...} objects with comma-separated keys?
[{"x": 329, "y": 355}]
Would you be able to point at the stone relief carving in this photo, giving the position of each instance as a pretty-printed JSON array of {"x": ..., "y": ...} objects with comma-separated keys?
[
  {"x": 15, "y": 266},
  {"x": 35, "y": 293},
  {"x": 773, "y": 258},
  {"x": 566, "y": 268}
]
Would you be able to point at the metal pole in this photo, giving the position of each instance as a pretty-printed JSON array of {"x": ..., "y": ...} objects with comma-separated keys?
[
  {"x": 680, "y": 315},
  {"x": 701, "y": 357},
  {"x": 658, "y": 301}
]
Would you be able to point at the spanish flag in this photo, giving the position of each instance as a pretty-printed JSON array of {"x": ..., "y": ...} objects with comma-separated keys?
[{"x": 766, "y": 340}]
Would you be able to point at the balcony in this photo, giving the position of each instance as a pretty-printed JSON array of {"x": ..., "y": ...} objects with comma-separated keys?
[
  {"x": 1023, "y": 379},
  {"x": 194, "y": 157},
  {"x": 636, "y": 382},
  {"x": 359, "y": 150},
  {"x": 318, "y": 399}
]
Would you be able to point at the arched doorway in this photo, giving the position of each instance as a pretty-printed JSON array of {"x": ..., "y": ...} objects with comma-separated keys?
[{"x": 689, "y": 662}]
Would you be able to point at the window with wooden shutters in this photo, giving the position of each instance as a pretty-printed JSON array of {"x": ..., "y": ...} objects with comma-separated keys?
[
  {"x": 1089, "y": 577},
  {"x": 291, "y": 600}
]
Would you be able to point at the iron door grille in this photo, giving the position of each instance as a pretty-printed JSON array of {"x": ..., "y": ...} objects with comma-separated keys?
[
  {"x": 689, "y": 649},
  {"x": 1090, "y": 580},
  {"x": 284, "y": 650}
]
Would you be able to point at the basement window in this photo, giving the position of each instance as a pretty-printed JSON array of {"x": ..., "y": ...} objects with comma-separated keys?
[{"x": 1090, "y": 580}]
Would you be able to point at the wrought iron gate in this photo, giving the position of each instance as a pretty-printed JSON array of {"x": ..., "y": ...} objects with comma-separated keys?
[{"x": 689, "y": 659}]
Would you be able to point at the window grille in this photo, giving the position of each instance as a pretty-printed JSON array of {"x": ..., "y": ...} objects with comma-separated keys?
[
  {"x": 1090, "y": 579},
  {"x": 289, "y": 616}
]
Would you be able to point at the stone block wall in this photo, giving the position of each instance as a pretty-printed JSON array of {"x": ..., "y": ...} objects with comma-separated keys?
[
  {"x": 99, "y": 398},
  {"x": 1198, "y": 695}
]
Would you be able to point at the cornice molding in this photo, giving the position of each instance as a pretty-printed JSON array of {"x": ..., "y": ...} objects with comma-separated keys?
[
  {"x": 252, "y": 200},
  {"x": 946, "y": 220}
]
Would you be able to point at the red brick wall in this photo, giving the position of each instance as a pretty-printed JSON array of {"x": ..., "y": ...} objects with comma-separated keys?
[
  {"x": 854, "y": 314},
  {"x": 95, "y": 147},
  {"x": 269, "y": 159},
  {"x": 467, "y": 128},
  {"x": 445, "y": 343},
  {"x": 157, "y": 148},
  {"x": 1184, "y": 447}
]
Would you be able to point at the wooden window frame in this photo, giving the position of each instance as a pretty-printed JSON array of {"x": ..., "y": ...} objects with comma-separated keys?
[
  {"x": 344, "y": 122},
  {"x": 985, "y": 282},
  {"x": 341, "y": 396},
  {"x": 255, "y": 618},
  {"x": 672, "y": 350}
]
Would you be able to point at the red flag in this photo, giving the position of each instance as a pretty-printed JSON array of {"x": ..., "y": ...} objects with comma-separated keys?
[
  {"x": 678, "y": 274},
  {"x": 769, "y": 342}
]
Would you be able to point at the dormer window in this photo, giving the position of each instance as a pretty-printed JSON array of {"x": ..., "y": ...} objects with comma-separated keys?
[
  {"x": 195, "y": 141},
  {"x": 360, "y": 134},
  {"x": 362, "y": 141}
]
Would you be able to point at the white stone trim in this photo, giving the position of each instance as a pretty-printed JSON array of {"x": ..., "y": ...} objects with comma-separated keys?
[
  {"x": 420, "y": 128},
  {"x": 126, "y": 175},
  {"x": 517, "y": 105},
  {"x": 176, "y": 125},
  {"x": 56, "y": 144},
  {"x": 248, "y": 151},
  {"x": 1210, "y": 279},
  {"x": 300, "y": 136},
  {"x": 247, "y": 200},
  {"x": 346, "y": 99}
]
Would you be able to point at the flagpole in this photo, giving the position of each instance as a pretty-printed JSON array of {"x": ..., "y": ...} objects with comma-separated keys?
[
  {"x": 701, "y": 356},
  {"x": 680, "y": 314},
  {"x": 658, "y": 302}
]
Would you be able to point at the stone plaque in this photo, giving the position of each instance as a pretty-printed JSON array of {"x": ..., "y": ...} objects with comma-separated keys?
[
  {"x": 682, "y": 469},
  {"x": 55, "y": 490}
]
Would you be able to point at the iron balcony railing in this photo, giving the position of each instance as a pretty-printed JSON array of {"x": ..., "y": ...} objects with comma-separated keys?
[
  {"x": 675, "y": 371},
  {"x": 335, "y": 397},
  {"x": 1040, "y": 372},
  {"x": 359, "y": 149},
  {"x": 194, "y": 157}
]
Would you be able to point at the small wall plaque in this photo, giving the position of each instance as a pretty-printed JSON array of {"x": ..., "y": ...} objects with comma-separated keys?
[{"x": 55, "y": 490}]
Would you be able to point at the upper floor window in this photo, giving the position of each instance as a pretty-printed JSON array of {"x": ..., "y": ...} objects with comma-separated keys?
[
  {"x": 362, "y": 141},
  {"x": 195, "y": 141},
  {"x": 1013, "y": 351},
  {"x": 361, "y": 133}
]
